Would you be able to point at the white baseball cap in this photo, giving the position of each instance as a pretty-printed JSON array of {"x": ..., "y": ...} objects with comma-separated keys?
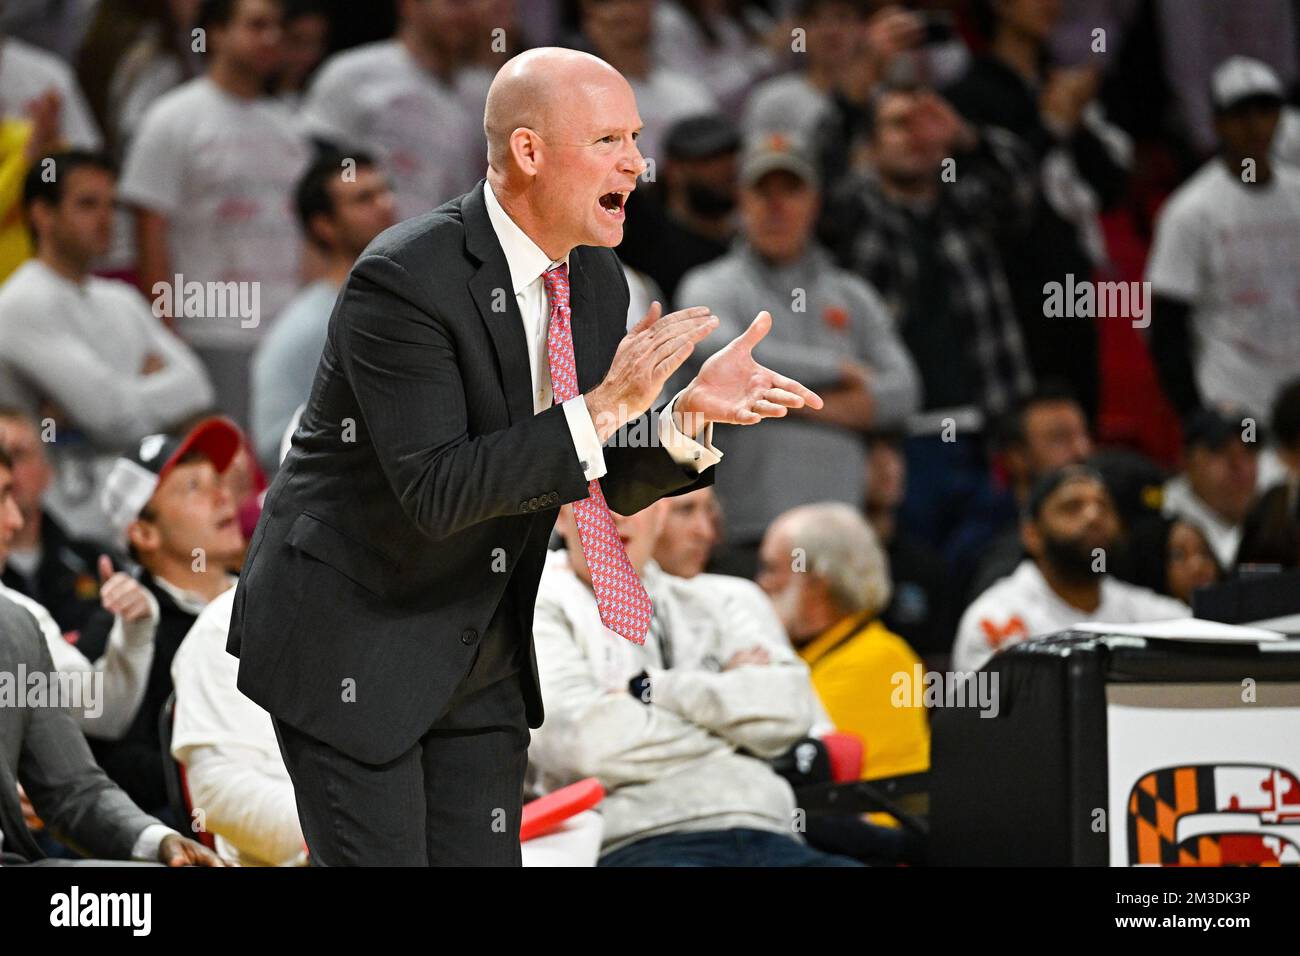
[{"x": 1241, "y": 78}]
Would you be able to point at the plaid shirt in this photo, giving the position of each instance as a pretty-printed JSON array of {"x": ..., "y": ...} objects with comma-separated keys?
[{"x": 994, "y": 192}]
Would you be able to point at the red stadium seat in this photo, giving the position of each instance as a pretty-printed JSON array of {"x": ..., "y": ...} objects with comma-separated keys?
[{"x": 545, "y": 814}]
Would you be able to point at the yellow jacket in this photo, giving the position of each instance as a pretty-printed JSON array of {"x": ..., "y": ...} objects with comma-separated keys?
[
  {"x": 853, "y": 664},
  {"x": 15, "y": 243}
]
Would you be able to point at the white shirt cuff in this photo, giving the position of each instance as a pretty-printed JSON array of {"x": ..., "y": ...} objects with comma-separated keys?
[
  {"x": 690, "y": 451},
  {"x": 585, "y": 440},
  {"x": 149, "y": 842}
]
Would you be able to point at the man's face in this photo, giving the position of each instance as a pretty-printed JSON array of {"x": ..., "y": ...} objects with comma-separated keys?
[
  {"x": 833, "y": 33},
  {"x": 1076, "y": 521},
  {"x": 1246, "y": 131},
  {"x": 623, "y": 24},
  {"x": 251, "y": 41},
  {"x": 11, "y": 518},
  {"x": 1033, "y": 18},
  {"x": 783, "y": 585},
  {"x": 190, "y": 509},
  {"x": 900, "y": 149},
  {"x": 1224, "y": 478},
  {"x": 707, "y": 185},
  {"x": 444, "y": 25},
  {"x": 362, "y": 210},
  {"x": 589, "y": 162},
  {"x": 31, "y": 472},
  {"x": 1056, "y": 435},
  {"x": 305, "y": 39},
  {"x": 886, "y": 476},
  {"x": 778, "y": 213},
  {"x": 81, "y": 226},
  {"x": 690, "y": 530}
]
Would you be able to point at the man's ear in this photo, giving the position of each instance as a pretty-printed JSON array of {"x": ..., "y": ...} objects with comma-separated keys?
[
  {"x": 143, "y": 536},
  {"x": 525, "y": 149}
]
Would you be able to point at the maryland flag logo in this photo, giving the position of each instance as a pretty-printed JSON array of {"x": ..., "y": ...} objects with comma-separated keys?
[{"x": 1215, "y": 815}]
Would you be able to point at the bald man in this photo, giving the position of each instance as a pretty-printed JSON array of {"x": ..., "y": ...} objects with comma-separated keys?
[{"x": 476, "y": 377}]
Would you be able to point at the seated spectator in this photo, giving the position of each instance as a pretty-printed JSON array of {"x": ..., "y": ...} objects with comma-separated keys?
[
  {"x": 83, "y": 351},
  {"x": 1216, "y": 488},
  {"x": 170, "y": 504},
  {"x": 45, "y": 562},
  {"x": 123, "y": 667},
  {"x": 42, "y": 749},
  {"x": 233, "y": 764},
  {"x": 677, "y": 729},
  {"x": 339, "y": 215},
  {"x": 919, "y": 608},
  {"x": 415, "y": 99},
  {"x": 829, "y": 580},
  {"x": 1047, "y": 430},
  {"x": 930, "y": 249},
  {"x": 830, "y": 330},
  {"x": 692, "y": 527},
  {"x": 1070, "y": 527},
  {"x": 1223, "y": 262},
  {"x": 1271, "y": 533},
  {"x": 306, "y": 27},
  {"x": 685, "y": 215},
  {"x": 1171, "y": 556}
]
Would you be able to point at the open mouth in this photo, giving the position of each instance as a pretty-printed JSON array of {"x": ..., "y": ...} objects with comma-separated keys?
[{"x": 613, "y": 202}]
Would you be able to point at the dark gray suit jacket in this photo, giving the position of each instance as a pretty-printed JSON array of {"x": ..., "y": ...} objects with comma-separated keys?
[
  {"x": 45, "y": 750},
  {"x": 421, "y": 486}
]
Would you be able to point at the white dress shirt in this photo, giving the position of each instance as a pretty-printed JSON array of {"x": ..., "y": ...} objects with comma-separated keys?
[{"x": 527, "y": 264}]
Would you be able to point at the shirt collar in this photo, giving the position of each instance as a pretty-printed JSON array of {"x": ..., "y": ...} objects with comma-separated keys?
[
  {"x": 833, "y": 636},
  {"x": 525, "y": 258},
  {"x": 188, "y": 601}
]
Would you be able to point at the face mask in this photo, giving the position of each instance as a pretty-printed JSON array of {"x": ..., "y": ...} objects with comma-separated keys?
[{"x": 706, "y": 201}]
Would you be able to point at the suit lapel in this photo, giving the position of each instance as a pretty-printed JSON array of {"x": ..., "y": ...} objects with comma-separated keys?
[
  {"x": 494, "y": 295},
  {"x": 17, "y": 838},
  {"x": 585, "y": 323}
]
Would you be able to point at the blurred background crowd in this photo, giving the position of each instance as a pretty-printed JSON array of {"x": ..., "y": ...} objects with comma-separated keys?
[{"x": 1041, "y": 258}]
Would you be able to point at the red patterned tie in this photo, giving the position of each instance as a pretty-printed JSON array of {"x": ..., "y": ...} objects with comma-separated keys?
[{"x": 624, "y": 606}]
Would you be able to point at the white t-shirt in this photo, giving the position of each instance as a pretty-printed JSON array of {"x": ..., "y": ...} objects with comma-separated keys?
[
  {"x": 27, "y": 72},
  {"x": 428, "y": 134},
  {"x": 1022, "y": 606},
  {"x": 1233, "y": 252},
  {"x": 222, "y": 170}
]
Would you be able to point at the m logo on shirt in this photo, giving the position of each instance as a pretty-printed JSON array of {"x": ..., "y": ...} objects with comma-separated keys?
[{"x": 996, "y": 635}]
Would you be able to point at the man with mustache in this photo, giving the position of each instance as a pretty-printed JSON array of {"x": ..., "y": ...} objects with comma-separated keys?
[{"x": 1069, "y": 529}]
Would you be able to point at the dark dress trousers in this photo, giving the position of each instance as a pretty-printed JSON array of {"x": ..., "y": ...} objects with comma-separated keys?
[{"x": 386, "y": 602}]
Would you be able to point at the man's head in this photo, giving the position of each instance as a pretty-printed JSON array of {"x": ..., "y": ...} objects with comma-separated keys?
[
  {"x": 28, "y": 462},
  {"x": 1046, "y": 431},
  {"x": 68, "y": 198},
  {"x": 343, "y": 202},
  {"x": 1247, "y": 97},
  {"x": 833, "y": 28},
  {"x": 1070, "y": 522},
  {"x": 1286, "y": 424},
  {"x": 638, "y": 532},
  {"x": 244, "y": 35},
  {"x": 306, "y": 28},
  {"x": 901, "y": 146},
  {"x": 561, "y": 127},
  {"x": 170, "y": 503},
  {"x": 819, "y": 564},
  {"x": 691, "y": 528},
  {"x": 11, "y": 516},
  {"x": 613, "y": 26},
  {"x": 779, "y": 196},
  {"x": 1222, "y": 466},
  {"x": 1032, "y": 20},
  {"x": 445, "y": 27},
  {"x": 699, "y": 168}
]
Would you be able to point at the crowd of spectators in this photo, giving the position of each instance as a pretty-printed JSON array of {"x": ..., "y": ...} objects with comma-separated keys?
[{"x": 1041, "y": 259}]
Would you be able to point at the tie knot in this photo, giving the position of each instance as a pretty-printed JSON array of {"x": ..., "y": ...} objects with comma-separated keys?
[{"x": 556, "y": 279}]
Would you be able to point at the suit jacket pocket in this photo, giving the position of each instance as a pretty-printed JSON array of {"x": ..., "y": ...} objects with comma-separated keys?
[{"x": 356, "y": 561}]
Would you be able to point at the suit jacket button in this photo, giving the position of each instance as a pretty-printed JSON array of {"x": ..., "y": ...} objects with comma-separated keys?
[{"x": 468, "y": 636}]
